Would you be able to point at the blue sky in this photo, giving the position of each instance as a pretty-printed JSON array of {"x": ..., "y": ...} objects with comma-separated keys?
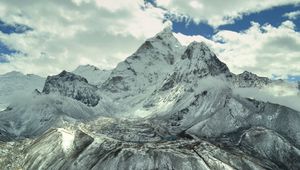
[
  {"x": 10, "y": 29},
  {"x": 274, "y": 16},
  {"x": 43, "y": 40}
]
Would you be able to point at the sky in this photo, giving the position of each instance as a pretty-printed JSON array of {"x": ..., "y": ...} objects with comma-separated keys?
[{"x": 44, "y": 37}]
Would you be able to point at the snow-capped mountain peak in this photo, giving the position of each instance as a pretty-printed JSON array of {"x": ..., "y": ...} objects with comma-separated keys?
[
  {"x": 93, "y": 74},
  {"x": 248, "y": 79},
  {"x": 86, "y": 67},
  {"x": 147, "y": 67},
  {"x": 196, "y": 62},
  {"x": 199, "y": 59}
]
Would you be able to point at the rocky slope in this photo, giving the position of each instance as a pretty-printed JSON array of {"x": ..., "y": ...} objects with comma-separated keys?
[
  {"x": 188, "y": 117},
  {"x": 71, "y": 85}
]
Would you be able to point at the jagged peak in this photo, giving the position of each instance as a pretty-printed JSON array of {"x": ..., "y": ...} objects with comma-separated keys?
[
  {"x": 199, "y": 50},
  {"x": 196, "y": 44},
  {"x": 166, "y": 36},
  {"x": 164, "y": 43},
  {"x": 72, "y": 85},
  {"x": 86, "y": 67},
  {"x": 67, "y": 76},
  {"x": 13, "y": 73},
  {"x": 247, "y": 73},
  {"x": 198, "y": 60}
]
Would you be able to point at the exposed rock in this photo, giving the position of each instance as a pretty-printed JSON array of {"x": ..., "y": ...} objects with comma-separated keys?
[{"x": 74, "y": 86}]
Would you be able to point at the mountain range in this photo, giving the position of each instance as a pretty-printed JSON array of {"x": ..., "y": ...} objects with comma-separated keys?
[{"x": 167, "y": 106}]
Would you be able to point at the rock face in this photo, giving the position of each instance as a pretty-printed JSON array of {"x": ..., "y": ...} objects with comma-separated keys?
[
  {"x": 188, "y": 117},
  {"x": 71, "y": 85},
  {"x": 248, "y": 79}
]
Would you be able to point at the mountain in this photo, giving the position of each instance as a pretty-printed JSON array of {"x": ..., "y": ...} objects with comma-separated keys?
[
  {"x": 13, "y": 84},
  {"x": 94, "y": 75},
  {"x": 196, "y": 62},
  {"x": 72, "y": 85},
  {"x": 66, "y": 97},
  {"x": 165, "y": 107},
  {"x": 141, "y": 72},
  {"x": 248, "y": 79}
]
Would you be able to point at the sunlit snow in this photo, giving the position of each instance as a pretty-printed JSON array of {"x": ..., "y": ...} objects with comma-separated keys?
[{"x": 67, "y": 139}]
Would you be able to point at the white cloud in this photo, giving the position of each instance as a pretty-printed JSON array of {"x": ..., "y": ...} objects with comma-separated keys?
[
  {"x": 292, "y": 15},
  {"x": 283, "y": 94},
  {"x": 67, "y": 33},
  {"x": 217, "y": 12},
  {"x": 264, "y": 50}
]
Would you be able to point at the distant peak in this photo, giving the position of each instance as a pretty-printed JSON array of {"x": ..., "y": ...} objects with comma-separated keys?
[
  {"x": 250, "y": 75},
  {"x": 247, "y": 73},
  {"x": 86, "y": 67},
  {"x": 14, "y": 73}
]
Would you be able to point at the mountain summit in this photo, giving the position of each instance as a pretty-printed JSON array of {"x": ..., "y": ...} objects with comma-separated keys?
[{"x": 146, "y": 68}]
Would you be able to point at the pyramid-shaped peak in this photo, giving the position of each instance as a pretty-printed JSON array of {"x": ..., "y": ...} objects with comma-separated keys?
[
  {"x": 199, "y": 61},
  {"x": 86, "y": 67},
  {"x": 163, "y": 42},
  {"x": 198, "y": 50}
]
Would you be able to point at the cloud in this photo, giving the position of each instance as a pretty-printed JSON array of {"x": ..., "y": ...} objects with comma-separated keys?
[
  {"x": 262, "y": 49},
  {"x": 292, "y": 15},
  {"x": 283, "y": 94},
  {"x": 3, "y": 59},
  {"x": 217, "y": 12},
  {"x": 68, "y": 33}
]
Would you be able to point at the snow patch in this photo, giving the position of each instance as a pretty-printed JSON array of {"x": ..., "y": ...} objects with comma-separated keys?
[{"x": 67, "y": 139}]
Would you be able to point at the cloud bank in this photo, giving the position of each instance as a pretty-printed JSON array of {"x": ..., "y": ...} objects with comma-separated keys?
[{"x": 68, "y": 33}]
